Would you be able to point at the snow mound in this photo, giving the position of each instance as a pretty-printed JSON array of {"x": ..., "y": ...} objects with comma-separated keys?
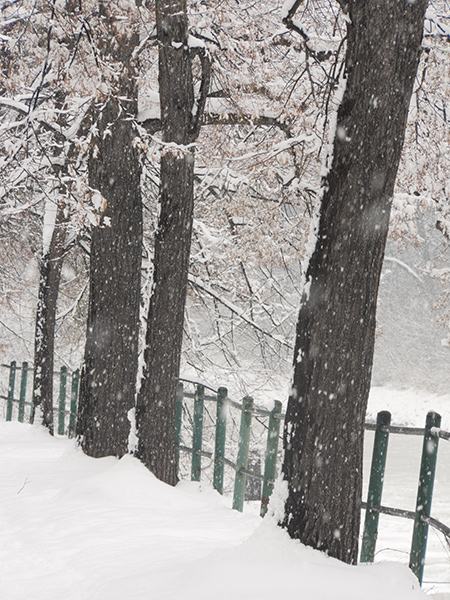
[{"x": 79, "y": 528}]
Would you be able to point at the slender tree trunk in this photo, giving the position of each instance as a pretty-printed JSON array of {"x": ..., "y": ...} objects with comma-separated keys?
[
  {"x": 50, "y": 266},
  {"x": 155, "y": 410},
  {"x": 108, "y": 380},
  {"x": 324, "y": 426}
]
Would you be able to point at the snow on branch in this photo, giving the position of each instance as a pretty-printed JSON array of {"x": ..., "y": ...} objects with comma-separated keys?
[
  {"x": 435, "y": 24},
  {"x": 31, "y": 115},
  {"x": 404, "y": 266},
  {"x": 288, "y": 11},
  {"x": 288, "y": 16},
  {"x": 19, "y": 107}
]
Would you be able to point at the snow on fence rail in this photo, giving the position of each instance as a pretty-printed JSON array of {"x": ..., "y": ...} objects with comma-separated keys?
[{"x": 190, "y": 423}]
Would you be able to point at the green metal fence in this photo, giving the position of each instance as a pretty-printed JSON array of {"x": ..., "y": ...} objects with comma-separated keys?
[
  {"x": 422, "y": 518},
  {"x": 219, "y": 431},
  {"x": 205, "y": 435},
  {"x": 21, "y": 407}
]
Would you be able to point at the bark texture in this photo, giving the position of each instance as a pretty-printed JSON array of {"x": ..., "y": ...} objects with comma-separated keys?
[
  {"x": 108, "y": 380},
  {"x": 50, "y": 266},
  {"x": 180, "y": 116},
  {"x": 324, "y": 426}
]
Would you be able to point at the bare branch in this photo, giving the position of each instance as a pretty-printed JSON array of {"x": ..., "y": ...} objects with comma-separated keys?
[
  {"x": 211, "y": 118},
  {"x": 196, "y": 282}
]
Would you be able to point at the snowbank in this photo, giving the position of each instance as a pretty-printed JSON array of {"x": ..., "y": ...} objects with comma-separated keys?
[{"x": 82, "y": 529}]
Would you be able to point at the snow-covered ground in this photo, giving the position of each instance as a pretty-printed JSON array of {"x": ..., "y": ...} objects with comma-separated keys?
[{"x": 76, "y": 528}]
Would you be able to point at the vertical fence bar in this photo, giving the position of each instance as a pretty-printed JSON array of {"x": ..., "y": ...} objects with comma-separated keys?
[
  {"x": 196, "y": 467},
  {"x": 375, "y": 491},
  {"x": 74, "y": 403},
  {"x": 11, "y": 386},
  {"x": 62, "y": 400},
  {"x": 242, "y": 458},
  {"x": 424, "y": 494},
  {"x": 178, "y": 417},
  {"x": 219, "y": 448},
  {"x": 23, "y": 392},
  {"x": 270, "y": 465}
]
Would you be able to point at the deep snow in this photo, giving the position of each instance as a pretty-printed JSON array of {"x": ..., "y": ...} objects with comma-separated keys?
[{"x": 77, "y": 528}]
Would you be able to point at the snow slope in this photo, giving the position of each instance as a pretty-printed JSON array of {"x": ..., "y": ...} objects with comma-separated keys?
[{"x": 77, "y": 528}]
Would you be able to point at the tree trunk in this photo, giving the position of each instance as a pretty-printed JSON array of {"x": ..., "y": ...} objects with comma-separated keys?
[
  {"x": 108, "y": 380},
  {"x": 155, "y": 409},
  {"x": 324, "y": 428},
  {"x": 50, "y": 266}
]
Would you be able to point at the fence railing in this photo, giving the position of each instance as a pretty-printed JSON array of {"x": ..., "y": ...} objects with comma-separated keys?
[
  {"x": 240, "y": 466},
  {"x": 65, "y": 413},
  {"x": 422, "y": 518},
  {"x": 269, "y": 420}
]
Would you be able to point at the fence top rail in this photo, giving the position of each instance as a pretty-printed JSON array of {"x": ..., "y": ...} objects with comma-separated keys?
[
  {"x": 264, "y": 412},
  {"x": 398, "y": 429},
  {"x": 403, "y": 430},
  {"x": 30, "y": 368},
  {"x": 196, "y": 383}
]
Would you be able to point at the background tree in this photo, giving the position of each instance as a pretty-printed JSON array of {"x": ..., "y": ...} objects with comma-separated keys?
[
  {"x": 36, "y": 160},
  {"x": 50, "y": 266},
  {"x": 324, "y": 428}
]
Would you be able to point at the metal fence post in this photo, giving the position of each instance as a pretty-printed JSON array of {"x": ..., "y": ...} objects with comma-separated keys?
[
  {"x": 197, "y": 435},
  {"x": 178, "y": 417},
  {"x": 242, "y": 458},
  {"x": 270, "y": 464},
  {"x": 424, "y": 495},
  {"x": 11, "y": 386},
  {"x": 62, "y": 400},
  {"x": 23, "y": 392},
  {"x": 380, "y": 445},
  {"x": 219, "y": 448},
  {"x": 74, "y": 403}
]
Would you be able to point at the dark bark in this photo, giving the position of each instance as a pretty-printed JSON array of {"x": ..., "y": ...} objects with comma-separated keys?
[
  {"x": 180, "y": 116},
  {"x": 108, "y": 381},
  {"x": 324, "y": 427},
  {"x": 50, "y": 265}
]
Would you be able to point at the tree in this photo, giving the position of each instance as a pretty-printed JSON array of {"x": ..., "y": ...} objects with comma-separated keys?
[
  {"x": 77, "y": 125},
  {"x": 255, "y": 174},
  {"x": 108, "y": 380},
  {"x": 181, "y": 115},
  {"x": 257, "y": 171},
  {"x": 50, "y": 265},
  {"x": 323, "y": 436}
]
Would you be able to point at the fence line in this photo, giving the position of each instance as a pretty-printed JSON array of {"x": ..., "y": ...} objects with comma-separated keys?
[
  {"x": 383, "y": 428},
  {"x": 66, "y": 417},
  {"x": 422, "y": 515}
]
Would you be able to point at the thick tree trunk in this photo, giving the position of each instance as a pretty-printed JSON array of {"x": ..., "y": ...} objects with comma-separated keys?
[
  {"x": 50, "y": 266},
  {"x": 155, "y": 410},
  {"x": 155, "y": 414},
  {"x": 108, "y": 381},
  {"x": 324, "y": 426}
]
